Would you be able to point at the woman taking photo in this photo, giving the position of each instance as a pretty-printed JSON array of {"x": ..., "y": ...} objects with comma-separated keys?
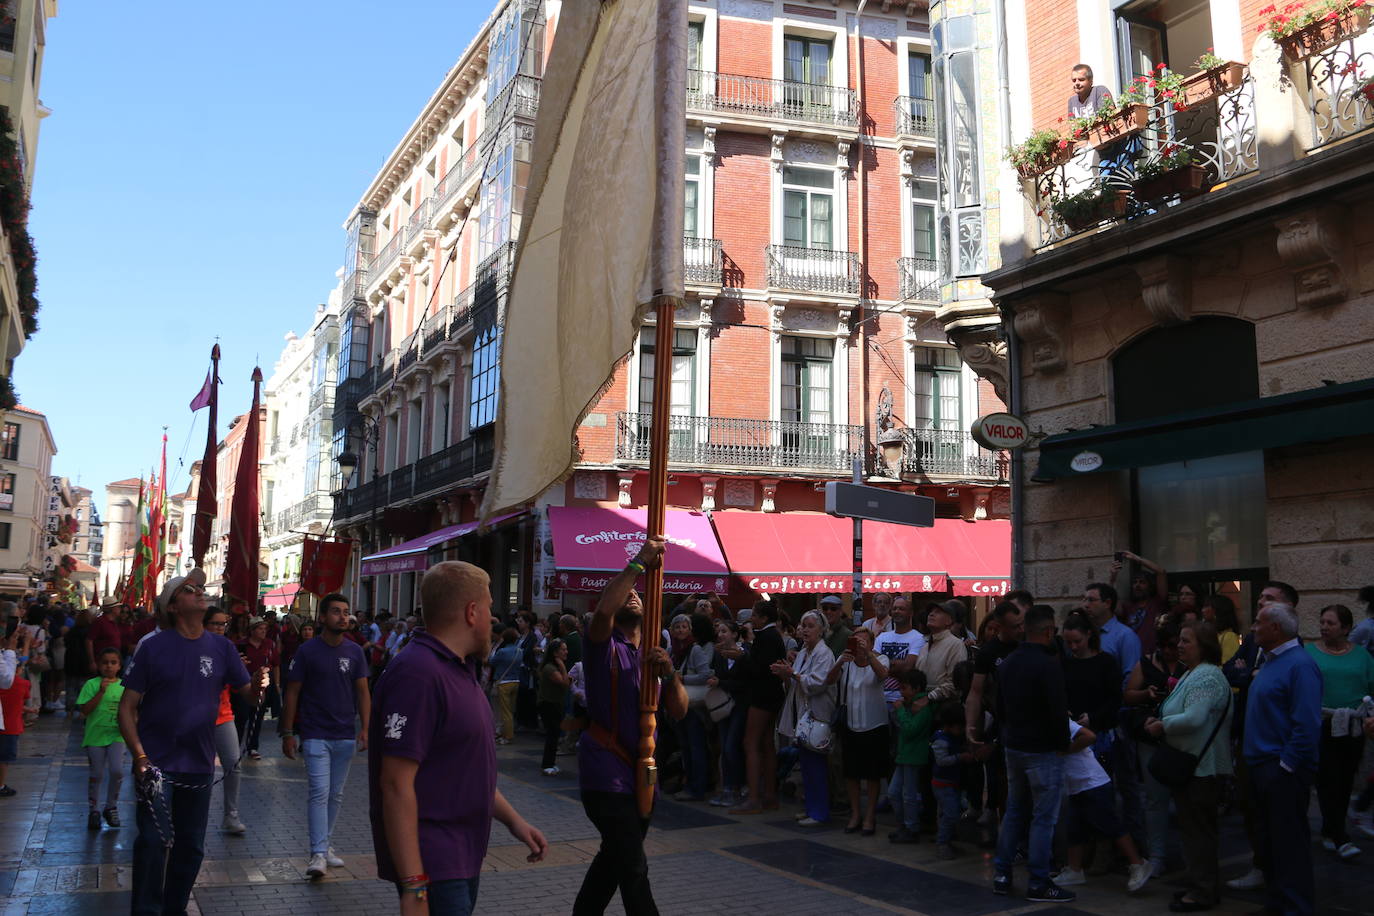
[
  {"x": 809, "y": 690},
  {"x": 1150, "y": 682},
  {"x": 765, "y": 695},
  {"x": 864, "y": 732},
  {"x": 1347, "y": 678},
  {"x": 1196, "y": 718},
  {"x": 1220, "y": 612},
  {"x": 730, "y": 664},
  {"x": 696, "y": 670}
]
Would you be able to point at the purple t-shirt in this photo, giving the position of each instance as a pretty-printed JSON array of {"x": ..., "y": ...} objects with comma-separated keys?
[
  {"x": 600, "y": 769},
  {"x": 430, "y": 708},
  {"x": 327, "y": 675},
  {"x": 180, "y": 680}
]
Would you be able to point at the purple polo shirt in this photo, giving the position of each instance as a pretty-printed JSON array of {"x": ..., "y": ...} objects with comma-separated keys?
[
  {"x": 599, "y": 769},
  {"x": 429, "y": 707},
  {"x": 180, "y": 680},
  {"x": 328, "y": 676}
]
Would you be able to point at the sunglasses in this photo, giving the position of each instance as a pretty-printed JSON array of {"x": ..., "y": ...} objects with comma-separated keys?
[{"x": 193, "y": 589}]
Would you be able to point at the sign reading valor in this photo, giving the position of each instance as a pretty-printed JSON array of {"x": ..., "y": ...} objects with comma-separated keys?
[{"x": 999, "y": 431}]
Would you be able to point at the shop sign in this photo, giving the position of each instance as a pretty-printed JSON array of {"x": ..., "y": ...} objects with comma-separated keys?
[
  {"x": 1000, "y": 431},
  {"x": 988, "y": 586},
  {"x": 1084, "y": 462},
  {"x": 674, "y": 583},
  {"x": 801, "y": 585}
]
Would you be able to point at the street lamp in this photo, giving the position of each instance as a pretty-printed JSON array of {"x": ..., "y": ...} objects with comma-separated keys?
[{"x": 348, "y": 462}]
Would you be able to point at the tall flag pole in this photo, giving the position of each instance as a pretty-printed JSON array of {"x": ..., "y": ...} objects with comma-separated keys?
[
  {"x": 157, "y": 524},
  {"x": 207, "y": 503},
  {"x": 241, "y": 568}
]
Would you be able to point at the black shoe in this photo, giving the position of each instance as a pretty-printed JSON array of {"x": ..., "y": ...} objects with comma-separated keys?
[
  {"x": 1001, "y": 885},
  {"x": 904, "y": 836},
  {"x": 7, "y": 792},
  {"x": 93, "y": 821},
  {"x": 112, "y": 817},
  {"x": 1050, "y": 893}
]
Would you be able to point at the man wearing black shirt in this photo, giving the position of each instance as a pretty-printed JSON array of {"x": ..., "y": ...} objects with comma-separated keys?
[
  {"x": 1033, "y": 711},
  {"x": 982, "y": 697}
]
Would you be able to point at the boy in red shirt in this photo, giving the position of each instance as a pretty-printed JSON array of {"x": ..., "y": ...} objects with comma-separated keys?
[{"x": 12, "y": 710}]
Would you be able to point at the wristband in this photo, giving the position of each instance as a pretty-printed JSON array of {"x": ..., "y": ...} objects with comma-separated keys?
[
  {"x": 635, "y": 565},
  {"x": 288, "y": 734}
]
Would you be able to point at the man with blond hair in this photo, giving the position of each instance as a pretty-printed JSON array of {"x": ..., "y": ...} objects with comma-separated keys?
[{"x": 430, "y": 720}]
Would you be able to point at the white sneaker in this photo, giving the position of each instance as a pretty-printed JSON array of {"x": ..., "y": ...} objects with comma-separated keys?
[
  {"x": 809, "y": 822},
  {"x": 317, "y": 867},
  {"x": 551, "y": 771},
  {"x": 233, "y": 825},
  {"x": 332, "y": 860},
  {"x": 1328, "y": 844},
  {"x": 1069, "y": 877},
  {"x": 1247, "y": 882},
  {"x": 1364, "y": 823},
  {"x": 1348, "y": 851},
  {"x": 1139, "y": 876}
]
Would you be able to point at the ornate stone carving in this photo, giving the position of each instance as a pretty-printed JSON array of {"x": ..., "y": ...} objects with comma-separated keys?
[
  {"x": 1166, "y": 288},
  {"x": 842, "y": 317},
  {"x": 770, "y": 494},
  {"x": 809, "y": 152},
  {"x": 708, "y": 493},
  {"x": 760, "y": 10},
  {"x": 708, "y": 142},
  {"x": 988, "y": 359},
  {"x": 842, "y": 155},
  {"x": 704, "y": 308},
  {"x": 623, "y": 499},
  {"x": 739, "y": 493},
  {"x": 589, "y": 485},
  {"x": 776, "y": 312},
  {"x": 907, "y": 157},
  {"x": 1310, "y": 243},
  {"x": 1042, "y": 323},
  {"x": 775, "y": 153}
]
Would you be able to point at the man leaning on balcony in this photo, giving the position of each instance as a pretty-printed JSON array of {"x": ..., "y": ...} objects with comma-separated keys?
[{"x": 1086, "y": 98}]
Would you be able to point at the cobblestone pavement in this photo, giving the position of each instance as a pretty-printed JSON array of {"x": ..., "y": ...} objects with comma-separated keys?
[{"x": 701, "y": 861}]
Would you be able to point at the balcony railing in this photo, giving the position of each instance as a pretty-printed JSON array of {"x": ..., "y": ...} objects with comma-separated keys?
[
  {"x": 355, "y": 284},
  {"x": 419, "y": 219},
  {"x": 1339, "y": 100},
  {"x": 950, "y": 452},
  {"x": 316, "y": 506},
  {"x": 781, "y": 100},
  {"x": 520, "y": 97},
  {"x": 382, "y": 260},
  {"x": 915, "y": 117},
  {"x": 707, "y": 442},
  {"x": 702, "y": 261},
  {"x": 459, "y": 462},
  {"x": 322, "y": 398},
  {"x": 816, "y": 270},
  {"x": 920, "y": 279}
]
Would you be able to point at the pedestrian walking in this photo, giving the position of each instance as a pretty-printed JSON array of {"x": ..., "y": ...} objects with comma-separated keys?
[
  {"x": 1283, "y": 724},
  {"x": 99, "y": 703},
  {"x": 430, "y": 720},
  {"x": 227, "y": 740},
  {"x": 167, "y": 716},
  {"x": 326, "y": 691},
  {"x": 1035, "y": 733},
  {"x": 259, "y": 654},
  {"x": 606, "y": 755}
]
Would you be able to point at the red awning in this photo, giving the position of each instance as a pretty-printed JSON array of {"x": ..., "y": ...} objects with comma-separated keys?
[
  {"x": 977, "y": 555},
  {"x": 281, "y": 596},
  {"x": 413, "y": 555},
  {"x": 797, "y": 552}
]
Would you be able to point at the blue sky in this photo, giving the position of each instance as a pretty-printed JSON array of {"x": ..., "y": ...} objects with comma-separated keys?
[{"x": 192, "y": 181}]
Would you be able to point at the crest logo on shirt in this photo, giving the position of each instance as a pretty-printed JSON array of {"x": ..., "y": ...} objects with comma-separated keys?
[
  {"x": 394, "y": 724},
  {"x": 207, "y": 666},
  {"x": 345, "y": 665}
]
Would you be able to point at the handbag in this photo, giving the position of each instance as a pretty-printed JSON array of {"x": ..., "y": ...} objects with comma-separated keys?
[
  {"x": 813, "y": 734},
  {"x": 719, "y": 704},
  {"x": 1172, "y": 767}
]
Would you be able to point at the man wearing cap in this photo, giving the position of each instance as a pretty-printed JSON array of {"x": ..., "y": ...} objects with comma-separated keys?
[
  {"x": 259, "y": 654},
  {"x": 833, "y": 609},
  {"x": 167, "y": 718}
]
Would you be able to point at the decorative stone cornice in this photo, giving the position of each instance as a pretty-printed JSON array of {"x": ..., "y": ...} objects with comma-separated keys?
[
  {"x": 1166, "y": 288},
  {"x": 1311, "y": 244},
  {"x": 1041, "y": 323},
  {"x": 987, "y": 357}
]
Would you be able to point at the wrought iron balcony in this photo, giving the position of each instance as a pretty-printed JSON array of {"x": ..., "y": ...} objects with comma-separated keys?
[
  {"x": 315, "y": 507},
  {"x": 461, "y": 461},
  {"x": 419, "y": 219},
  {"x": 706, "y": 442},
  {"x": 815, "y": 270},
  {"x": 322, "y": 398},
  {"x": 950, "y": 452},
  {"x": 383, "y": 259},
  {"x": 409, "y": 352},
  {"x": 435, "y": 329},
  {"x": 702, "y": 261},
  {"x": 777, "y": 100},
  {"x": 1336, "y": 84},
  {"x": 519, "y": 97},
  {"x": 355, "y": 284},
  {"x": 920, "y": 279},
  {"x": 915, "y": 116}
]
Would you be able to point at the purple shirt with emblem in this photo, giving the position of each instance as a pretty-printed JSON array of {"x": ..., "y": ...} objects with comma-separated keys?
[
  {"x": 328, "y": 676},
  {"x": 429, "y": 707},
  {"x": 180, "y": 680},
  {"x": 600, "y": 769}
]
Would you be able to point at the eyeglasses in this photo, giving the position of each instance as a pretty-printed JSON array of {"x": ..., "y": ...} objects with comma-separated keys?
[{"x": 218, "y": 624}]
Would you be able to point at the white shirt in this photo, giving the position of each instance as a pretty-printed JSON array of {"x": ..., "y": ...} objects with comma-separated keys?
[
  {"x": 897, "y": 646},
  {"x": 863, "y": 699},
  {"x": 1081, "y": 769},
  {"x": 876, "y": 626}
]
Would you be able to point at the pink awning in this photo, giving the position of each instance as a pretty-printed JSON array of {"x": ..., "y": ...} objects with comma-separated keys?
[
  {"x": 592, "y": 543},
  {"x": 412, "y": 555},
  {"x": 281, "y": 596},
  {"x": 977, "y": 555}
]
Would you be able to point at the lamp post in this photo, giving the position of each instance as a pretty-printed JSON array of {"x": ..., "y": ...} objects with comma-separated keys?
[{"x": 370, "y": 434}]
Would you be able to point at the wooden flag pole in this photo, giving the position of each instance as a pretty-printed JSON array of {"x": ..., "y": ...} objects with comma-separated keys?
[{"x": 666, "y": 310}]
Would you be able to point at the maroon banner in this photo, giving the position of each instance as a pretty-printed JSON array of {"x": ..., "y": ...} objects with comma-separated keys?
[
  {"x": 241, "y": 566},
  {"x": 207, "y": 505},
  {"x": 324, "y": 565}
]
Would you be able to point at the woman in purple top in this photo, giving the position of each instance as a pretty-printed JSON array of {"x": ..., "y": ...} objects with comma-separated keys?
[{"x": 607, "y": 752}]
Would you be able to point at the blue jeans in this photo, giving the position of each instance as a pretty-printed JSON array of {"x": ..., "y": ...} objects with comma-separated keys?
[
  {"x": 1035, "y": 784},
  {"x": 904, "y": 790},
  {"x": 326, "y": 766},
  {"x": 815, "y": 783},
  {"x": 950, "y": 809},
  {"x": 454, "y": 897},
  {"x": 162, "y": 877},
  {"x": 694, "y": 760},
  {"x": 732, "y": 774}
]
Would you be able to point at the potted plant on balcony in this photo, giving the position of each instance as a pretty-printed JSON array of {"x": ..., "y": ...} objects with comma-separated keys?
[
  {"x": 1121, "y": 117},
  {"x": 1174, "y": 171},
  {"x": 1215, "y": 76},
  {"x": 1040, "y": 152},
  {"x": 1101, "y": 201},
  {"x": 1304, "y": 29}
]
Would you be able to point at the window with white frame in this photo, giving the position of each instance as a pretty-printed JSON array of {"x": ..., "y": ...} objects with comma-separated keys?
[
  {"x": 692, "y": 202},
  {"x": 808, "y": 207},
  {"x": 696, "y": 41},
  {"x": 937, "y": 383},
  {"x": 923, "y": 198},
  {"x": 682, "y": 398},
  {"x": 807, "y": 379}
]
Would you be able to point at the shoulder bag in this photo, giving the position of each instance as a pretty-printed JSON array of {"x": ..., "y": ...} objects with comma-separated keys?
[
  {"x": 1172, "y": 767},
  {"x": 811, "y": 732}
]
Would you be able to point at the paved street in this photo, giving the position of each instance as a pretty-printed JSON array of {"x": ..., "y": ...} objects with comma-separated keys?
[{"x": 701, "y": 861}]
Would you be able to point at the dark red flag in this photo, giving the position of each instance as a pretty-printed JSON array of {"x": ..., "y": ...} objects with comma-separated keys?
[
  {"x": 241, "y": 565},
  {"x": 323, "y": 565},
  {"x": 207, "y": 504}
]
